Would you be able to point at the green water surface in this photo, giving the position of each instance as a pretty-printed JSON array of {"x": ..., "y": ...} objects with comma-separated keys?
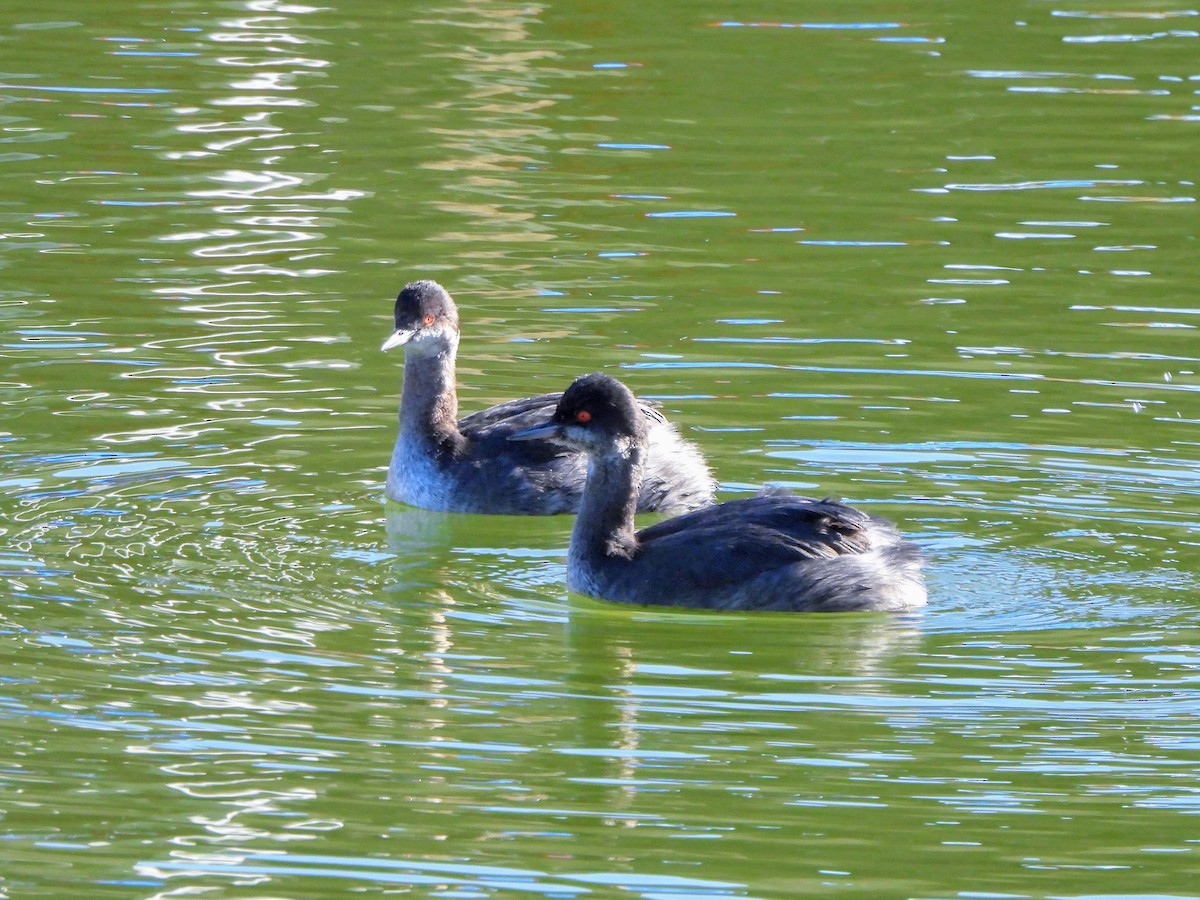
[{"x": 936, "y": 258}]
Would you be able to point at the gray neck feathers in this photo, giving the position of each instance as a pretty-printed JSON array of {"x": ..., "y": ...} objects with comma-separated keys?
[
  {"x": 429, "y": 401},
  {"x": 604, "y": 528}
]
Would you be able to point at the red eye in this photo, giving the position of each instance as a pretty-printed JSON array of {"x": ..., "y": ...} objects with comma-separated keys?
[
  {"x": 429, "y": 319},
  {"x": 583, "y": 416}
]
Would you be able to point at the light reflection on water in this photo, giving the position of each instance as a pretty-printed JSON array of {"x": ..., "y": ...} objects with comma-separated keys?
[{"x": 927, "y": 287}]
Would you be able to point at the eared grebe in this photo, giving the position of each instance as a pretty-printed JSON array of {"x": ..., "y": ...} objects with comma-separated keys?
[
  {"x": 775, "y": 551},
  {"x": 469, "y": 465}
]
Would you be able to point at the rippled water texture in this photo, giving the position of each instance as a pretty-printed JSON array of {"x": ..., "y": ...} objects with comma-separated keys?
[{"x": 938, "y": 259}]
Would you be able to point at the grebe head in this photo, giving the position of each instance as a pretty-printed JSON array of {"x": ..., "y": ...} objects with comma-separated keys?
[
  {"x": 426, "y": 319},
  {"x": 596, "y": 414}
]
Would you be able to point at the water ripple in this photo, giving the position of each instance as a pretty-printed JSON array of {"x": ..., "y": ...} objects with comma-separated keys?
[{"x": 459, "y": 875}]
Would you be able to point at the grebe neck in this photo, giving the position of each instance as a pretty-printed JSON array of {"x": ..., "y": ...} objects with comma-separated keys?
[
  {"x": 429, "y": 399},
  {"x": 604, "y": 527}
]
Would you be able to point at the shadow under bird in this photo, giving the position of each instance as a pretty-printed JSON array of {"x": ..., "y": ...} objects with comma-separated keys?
[
  {"x": 444, "y": 463},
  {"x": 776, "y": 551}
]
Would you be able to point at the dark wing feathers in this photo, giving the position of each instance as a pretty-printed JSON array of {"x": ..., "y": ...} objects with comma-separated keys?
[
  {"x": 806, "y": 519},
  {"x": 511, "y": 415},
  {"x": 743, "y": 538},
  {"x": 486, "y": 433}
]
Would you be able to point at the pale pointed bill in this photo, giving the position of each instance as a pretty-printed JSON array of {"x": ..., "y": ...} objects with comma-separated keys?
[{"x": 399, "y": 338}]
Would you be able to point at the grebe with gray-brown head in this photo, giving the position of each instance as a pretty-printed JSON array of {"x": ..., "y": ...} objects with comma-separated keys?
[
  {"x": 775, "y": 551},
  {"x": 444, "y": 463}
]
